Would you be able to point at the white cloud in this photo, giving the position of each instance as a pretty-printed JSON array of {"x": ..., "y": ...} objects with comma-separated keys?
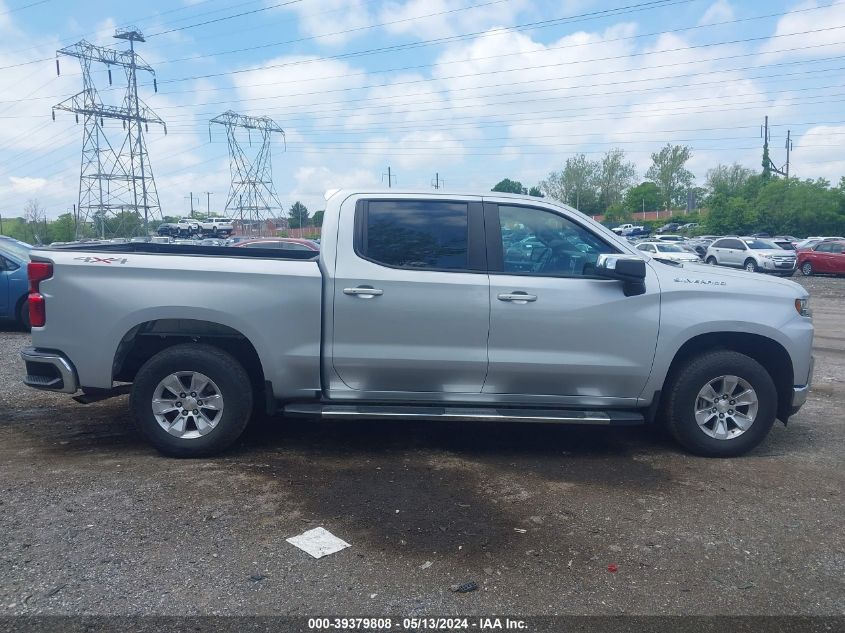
[
  {"x": 720, "y": 11},
  {"x": 26, "y": 184},
  {"x": 408, "y": 17},
  {"x": 326, "y": 19},
  {"x": 803, "y": 21},
  {"x": 818, "y": 153}
]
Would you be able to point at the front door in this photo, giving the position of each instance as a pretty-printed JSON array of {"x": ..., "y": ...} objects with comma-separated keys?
[
  {"x": 557, "y": 331},
  {"x": 411, "y": 300}
]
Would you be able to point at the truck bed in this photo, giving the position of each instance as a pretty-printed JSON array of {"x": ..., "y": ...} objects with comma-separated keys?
[{"x": 188, "y": 249}]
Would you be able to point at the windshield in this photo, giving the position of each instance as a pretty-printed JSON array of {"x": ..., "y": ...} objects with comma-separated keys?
[
  {"x": 20, "y": 250},
  {"x": 761, "y": 245},
  {"x": 669, "y": 248}
]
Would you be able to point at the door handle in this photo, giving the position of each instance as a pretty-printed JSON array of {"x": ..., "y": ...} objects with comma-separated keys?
[
  {"x": 364, "y": 292},
  {"x": 517, "y": 296}
]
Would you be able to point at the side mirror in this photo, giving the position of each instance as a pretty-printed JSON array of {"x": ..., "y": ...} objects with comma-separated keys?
[{"x": 629, "y": 269}]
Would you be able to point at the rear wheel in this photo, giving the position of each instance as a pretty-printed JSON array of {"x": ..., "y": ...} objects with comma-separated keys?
[
  {"x": 806, "y": 269},
  {"x": 751, "y": 266},
  {"x": 721, "y": 404},
  {"x": 191, "y": 400}
]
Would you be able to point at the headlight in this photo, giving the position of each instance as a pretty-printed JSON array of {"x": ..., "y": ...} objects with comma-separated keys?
[{"x": 803, "y": 307}]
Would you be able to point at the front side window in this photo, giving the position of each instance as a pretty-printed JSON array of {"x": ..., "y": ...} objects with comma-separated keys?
[
  {"x": 540, "y": 242},
  {"x": 420, "y": 234}
]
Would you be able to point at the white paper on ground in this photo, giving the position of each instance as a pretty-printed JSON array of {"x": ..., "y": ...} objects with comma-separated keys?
[{"x": 318, "y": 542}]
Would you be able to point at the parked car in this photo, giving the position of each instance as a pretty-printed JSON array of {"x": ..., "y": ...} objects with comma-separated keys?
[
  {"x": 665, "y": 250},
  {"x": 619, "y": 230},
  {"x": 825, "y": 257},
  {"x": 217, "y": 227},
  {"x": 783, "y": 243},
  {"x": 637, "y": 231},
  {"x": 688, "y": 226},
  {"x": 14, "y": 287},
  {"x": 188, "y": 227},
  {"x": 668, "y": 228},
  {"x": 670, "y": 238},
  {"x": 168, "y": 230},
  {"x": 284, "y": 243},
  {"x": 752, "y": 254},
  {"x": 699, "y": 246},
  {"x": 811, "y": 242},
  {"x": 213, "y": 241},
  {"x": 237, "y": 239},
  {"x": 411, "y": 310}
]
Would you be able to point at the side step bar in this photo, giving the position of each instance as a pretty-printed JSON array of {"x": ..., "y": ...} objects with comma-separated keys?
[{"x": 466, "y": 414}]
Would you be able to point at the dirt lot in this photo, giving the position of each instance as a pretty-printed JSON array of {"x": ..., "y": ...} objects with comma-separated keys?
[{"x": 94, "y": 521}]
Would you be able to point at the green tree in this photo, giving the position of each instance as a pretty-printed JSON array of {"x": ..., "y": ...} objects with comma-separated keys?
[
  {"x": 576, "y": 184},
  {"x": 317, "y": 218},
  {"x": 509, "y": 186},
  {"x": 536, "y": 192},
  {"x": 668, "y": 171},
  {"x": 63, "y": 228},
  {"x": 614, "y": 176},
  {"x": 729, "y": 180},
  {"x": 298, "y": 215},
  {"x": 644, "y": 197}
]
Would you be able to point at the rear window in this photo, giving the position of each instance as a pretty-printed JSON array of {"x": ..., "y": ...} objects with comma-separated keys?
[{"x": 416, "y": 234}]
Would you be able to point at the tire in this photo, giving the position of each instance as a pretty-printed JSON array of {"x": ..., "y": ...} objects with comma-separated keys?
[
  {"x": 683, "y": 397},
  {"x": 712, "y": 261},
  {"x": 750, "y": 265},
  {"x": 807, "y": 269},
  {"x": 23, "y": 315},
  {"x": 204, "y": 431}
]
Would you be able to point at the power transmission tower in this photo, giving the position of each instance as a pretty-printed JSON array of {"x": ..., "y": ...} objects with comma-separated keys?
[
  {"x": 111, "y": 182},
  {"x": 252, "y": 191}
]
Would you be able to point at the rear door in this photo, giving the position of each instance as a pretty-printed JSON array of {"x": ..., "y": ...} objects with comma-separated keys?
[
  {"x": 837, "y": 258},
  {"x": 557, "y": 331},
  {"x": 411, "y": 299},
  {"x": 5, "y": 265},
  {"x": 819, "y": 257}
]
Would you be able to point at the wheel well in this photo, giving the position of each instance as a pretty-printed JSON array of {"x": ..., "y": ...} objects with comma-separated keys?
[
  {"x": 770, "y": 354},
  {"x": 146, "y": 340}
]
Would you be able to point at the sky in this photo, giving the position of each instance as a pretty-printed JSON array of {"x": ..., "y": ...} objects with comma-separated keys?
[{"x": 472, "y": 90}]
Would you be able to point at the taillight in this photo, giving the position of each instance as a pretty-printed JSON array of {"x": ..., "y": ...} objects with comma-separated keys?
[{"x": 37, "y": 272}]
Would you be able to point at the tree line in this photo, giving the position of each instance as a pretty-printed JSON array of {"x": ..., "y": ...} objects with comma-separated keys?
[{"x": 733, "y": 199}]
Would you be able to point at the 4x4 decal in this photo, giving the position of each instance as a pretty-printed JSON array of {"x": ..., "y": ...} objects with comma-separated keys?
[{"x": 101, "y": 260}]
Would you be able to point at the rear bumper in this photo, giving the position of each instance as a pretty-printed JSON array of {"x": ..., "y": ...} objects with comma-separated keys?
[{"x": 49, "y": 371}]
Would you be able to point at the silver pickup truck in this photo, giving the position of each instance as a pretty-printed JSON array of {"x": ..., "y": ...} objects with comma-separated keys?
[{"x": 422, "y": 306}]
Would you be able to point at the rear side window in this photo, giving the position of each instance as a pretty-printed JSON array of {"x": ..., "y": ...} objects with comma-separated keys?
[
  {"x": 419, "y": 234},
  {"x": 837, "y": 248}
]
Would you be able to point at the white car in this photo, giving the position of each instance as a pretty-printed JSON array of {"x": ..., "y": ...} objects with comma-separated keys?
[
  {"x": 753, "y": 254},
  {"x": 665, "y": 250},
  {"x": 217, "y": 226},
  {"x": 619, "y": 230},
  {"x": 188, "y": 227},
  {"x": 670, "y": 238}
]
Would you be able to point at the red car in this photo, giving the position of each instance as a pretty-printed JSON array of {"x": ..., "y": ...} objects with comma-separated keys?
[
  {"x": 826, "y": 257},
  {"x": 285, "y": 243}
]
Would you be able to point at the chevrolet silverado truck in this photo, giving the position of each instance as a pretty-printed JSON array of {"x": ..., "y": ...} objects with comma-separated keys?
[{"x": 426, "y": 306}]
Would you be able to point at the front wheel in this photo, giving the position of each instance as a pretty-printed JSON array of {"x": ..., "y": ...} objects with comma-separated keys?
[
  {"x": 191, "y": 400},
  {"x": 721, "y": 404},
  {"x": 751, "y": 265},
  {"x": 806, "y": 269},
  {"x": 711, "y": 260}
]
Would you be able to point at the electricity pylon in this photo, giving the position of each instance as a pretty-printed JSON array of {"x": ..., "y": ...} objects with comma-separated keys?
[
  {"x": 111, "y": 182},
  {"x": 252, "y": 196}
]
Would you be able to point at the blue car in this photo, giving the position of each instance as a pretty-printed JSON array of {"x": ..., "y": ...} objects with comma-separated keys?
[{"x": 14, "y": 286}]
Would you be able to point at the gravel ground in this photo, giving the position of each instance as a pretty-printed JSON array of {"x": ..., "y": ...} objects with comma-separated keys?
[{"x": 93, "y": 521}]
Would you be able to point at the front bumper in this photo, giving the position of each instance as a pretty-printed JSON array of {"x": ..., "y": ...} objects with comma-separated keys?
[
  {"x": 799, "y": 392},
  {"x": 49, "y": 371}
]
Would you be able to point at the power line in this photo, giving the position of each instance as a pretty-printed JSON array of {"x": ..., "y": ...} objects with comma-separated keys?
[{"x": 227, "y": 17}]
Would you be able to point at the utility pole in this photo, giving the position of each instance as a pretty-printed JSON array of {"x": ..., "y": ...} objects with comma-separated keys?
[
  {"x": 769, "y": 166},
  {"x": 190, "y": 197},
  {"x": 788, "y": 151},
  {"x": 437, "y": 183},
  {"x": 390, "y": 177},
  {"x": 208, "y": 203}
]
